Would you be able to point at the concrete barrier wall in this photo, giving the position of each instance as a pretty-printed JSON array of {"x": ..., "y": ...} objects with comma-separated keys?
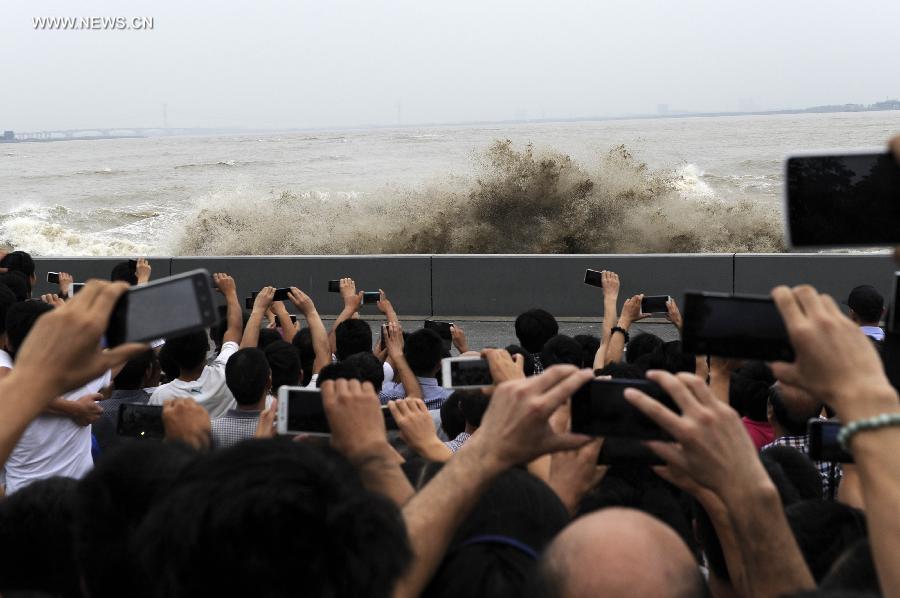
[{"x": 505, "y": 285}]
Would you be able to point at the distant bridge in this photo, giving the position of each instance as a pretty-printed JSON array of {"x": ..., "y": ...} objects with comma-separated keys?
[{"x": 98, "y": 133}]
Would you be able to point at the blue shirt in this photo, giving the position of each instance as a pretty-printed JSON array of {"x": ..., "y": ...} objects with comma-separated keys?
[
  {"x": 434, "y": 395},
  {"x": 873, "y": 331}
]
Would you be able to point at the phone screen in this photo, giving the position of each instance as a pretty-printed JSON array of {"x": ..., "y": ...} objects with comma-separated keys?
[
  {"x": 53, "y": 277},
  {"x": 843, "y": 200},
  {"x": 599, "y": 408},
  {"x": 305, "y": 412},
  {"x": 893, "y": 324},
  {"x": 470, "y": 372},
  {"x": 370, "y": 297},
  {"x": 593, "y": 278},
  {"x": 140, "y": 421},
  {"x": 735, "y": 326},
  {"x": 655, "y": 304},
  {"x": 823, "y": 442},
  {"x": 280, "y": 295},
  {"x": 334, "y": 286}
]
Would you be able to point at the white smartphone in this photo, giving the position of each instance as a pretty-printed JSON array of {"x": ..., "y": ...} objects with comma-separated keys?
[
  {"x": 300, "y": 411},
  {"x": 466, "y": 372}
]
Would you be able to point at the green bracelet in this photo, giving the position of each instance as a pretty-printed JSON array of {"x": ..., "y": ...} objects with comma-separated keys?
[{"x": 861, "y": 425}]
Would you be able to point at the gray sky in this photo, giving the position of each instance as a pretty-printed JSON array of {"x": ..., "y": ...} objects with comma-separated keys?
[{"x": 326, "y": 63}]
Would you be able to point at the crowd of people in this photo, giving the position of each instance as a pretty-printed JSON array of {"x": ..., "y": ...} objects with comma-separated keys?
[{"x": 482, "y": 492}]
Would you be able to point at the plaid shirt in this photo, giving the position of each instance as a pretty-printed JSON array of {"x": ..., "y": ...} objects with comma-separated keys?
[
  {"x": 433, "y": 395},
  {"x": 538, "y": 364},
  {"x": 233, "y": 427},
  {"x": 455, "y": 444},
  {"x": 801, "y": 443}
]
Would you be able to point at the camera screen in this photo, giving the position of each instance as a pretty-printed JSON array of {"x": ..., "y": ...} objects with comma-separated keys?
[
  {"x": 141, "y": 421},
  {"x": 599, "y": 408},
  {"x": 470, "y": 372},
  {"x": 156, "y": 310},
  {"x": 306, "y": 413}
]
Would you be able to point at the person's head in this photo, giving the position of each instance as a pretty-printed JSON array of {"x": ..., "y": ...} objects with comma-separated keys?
[
  {"x": 424, "y": 350},
  {"x": 302, "y": 341},
  {"x": 248, "y": 377},
  {"x": 337, "y": 371},
  {"x": 626, "y": 371},
  {"x": 20, "y": 318},
  {"x": 452, "y": 420},
  {"x": 138, "y": 372},
  {"x": 640, "y": 556},
  {"x": 866, "y": 305},
  {"x": 17, "y": 283},
  {"x": 534, "y": 328},
  {"x": 282, "y": 517},
  {"x": 36, "y": 539},
  {"x": 670, "y": 358},
  {"x": 589, "y": 345},
  {"x": 790, "y": 408},
  {"x": 284, "y": 362},
  {"x": 7, "y": 299},
  {"x": 561, "y": 349},
  {"x": 496, "y": 548},
  {"x": 188, "y": 352},
  {"x": 267, "y": 336},
  {"x": 824, "y": 529},
  {"x": 167, "y": 363},
  {"x": 802, "y": 473},
  {"x": 473, "y": 404},
  {"x": 350, "y": 337},
  {"x": 748, "y": 392},
  {"x": 642, "y": 344},
  {"x": 111, "y": 501},
  {"x": 369, "y": 368},
  {"x": 123, "y": 272},
  {"x": 20, "y": 261},
  {"x": 528, "y": 357}
]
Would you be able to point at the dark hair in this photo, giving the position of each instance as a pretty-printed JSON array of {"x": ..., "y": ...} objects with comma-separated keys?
[
  {"x": 590, "y": 344},
  {"x": 337, "y": 371},
  {"x": 278, "y": 513},
  {"x": 792, "y": 417},
  {"x": 352, "y": 336},
  {"x": 473, "y": 404},
  {"x": 124, "y": 272},
  {"x": 824, "y": 529},
  {"x": 167, "y": 363},
  {"x": 424, "y": 350},
  {"x": 534, "y": 328},
  {"x": 561, "y": 349},
  {"x": 302, "y": 341},
  {"x": 529, "y": 358},
  {"x": 188, "y": 352},
  {"x": 853, "y": 571},
  {"x": 267, "y": 336},
  {"x": 20, "y": 318},
  {"x": 802, "y": 473},
  {"x": 285, "y": 364},
  {"x": 748, "y": 392},
  {"x": 669, "y": 358},
  {"x": 7, "y": 299},
  {"x": 111, "y": 502},
  {"x": 495, "y": 548},
  {"x": 35, "y": 530},
  {"x": 132, "y": 374},
  {"x": 452, "y": 420},
  {"x": 17, "y": 283},
  {"x": 19, "y": 261},
  {"x": 621, "y": 370},
  {"x": 642, "y": 344},
  {"x": 369, "y": 368},
  {"x": 246, "y": 375}
]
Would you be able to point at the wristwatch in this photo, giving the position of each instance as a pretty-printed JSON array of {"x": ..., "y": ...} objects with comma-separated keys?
[{"x": 624, "y": 332}]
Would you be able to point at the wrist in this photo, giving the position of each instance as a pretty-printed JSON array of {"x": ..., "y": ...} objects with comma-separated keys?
[
  {"x": 479, "y": 457},
  {"x": 859, "y": 403}
]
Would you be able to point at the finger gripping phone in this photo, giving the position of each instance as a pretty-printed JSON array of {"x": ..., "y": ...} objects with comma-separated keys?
[
  {"x": 599, "y": 408},
  {"x": 140, "y": 421},
  {"x": 165, "y": 308},
  {"x": 334, "y": 286},
  {"x": 655, "y": 304},
  {"x": 371, "y": 297},
  {"x": 53, "y": 277},
  {"x": 465, "y": 372},
  {"x": 741, "y": 326},
  {"x": 593, "y": 278},
  {"x": 823, "y": 441}
]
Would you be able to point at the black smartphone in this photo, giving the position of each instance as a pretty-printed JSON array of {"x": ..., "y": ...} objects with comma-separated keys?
[
  {"x": 282, "y": 294},
  {"x": 655, "y": 304},
  {"x": 370, "y": 297},
  {"x": 140, "y": 421},
  {"x": 823, "y": 441},
  {"x": 166, "y": 307},
  {"x": 893, "y": 325},
  {"x": 627, "y": 452},
  {"x": 53, "y": 277},
  {"x": 334, "y": 286},
  {"x": 76, "y": 287},
  {"x": 593, "y": 278},
  {"x": 742, "y": 326},
  {"x": 389, "y": 422},
  {"x": 132, "y": 265},
  {"x": 465, "y": 372},
  {"x": 599, "y": 408},
  {"x": 443, "y": 330},
  {"x": 842, "y": 200}
]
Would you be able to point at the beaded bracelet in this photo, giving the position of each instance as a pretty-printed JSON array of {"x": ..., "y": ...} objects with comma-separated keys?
[{"x": 861, "y": 425}]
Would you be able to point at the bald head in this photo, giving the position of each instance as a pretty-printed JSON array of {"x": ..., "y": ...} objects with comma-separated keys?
[{"x": 621, "y": 552}]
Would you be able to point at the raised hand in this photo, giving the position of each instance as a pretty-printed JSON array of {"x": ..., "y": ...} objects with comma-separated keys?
[
  {"x": 417, "y": 428},
  {"x": 185, "y": 420},
  {"x": 610, "y": 282},
  {"x": 459, "y": 339},
  {"x": 674, "y": 314},
  {"x": 302, "y": 301},
  {"x": 142, "y": 271},
  {"x": 264, "y": 299},
  {"x": 224, "y": 283},
  {"x": 65, "y": 283}
]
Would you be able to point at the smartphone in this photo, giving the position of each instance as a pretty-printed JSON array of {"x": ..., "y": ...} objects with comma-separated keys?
[
  {"x": 443, "y": 330},
  {"x": 599, "y": 408},
  {"x": 300, "y": 411},
  {"x": 382, "y": 343},
  {"x": 389, "y": 422},
  {"x": 167, "y": 307},
  {"x": 282, "y": 294},
  {"x": 53, "y": 277},
  {"x": 370, "y": 297},
  {"x": 593, "y": 278},
  {"x": 627, "y": 452},
  {"x": 465, "y": 372},
  {"x": 334, "y": 286},
  {"x": 742, "y": 326},
  {"x": 655, "y": 304},
  {"x": 76, "y": 287},
  {"x": 132, "y": 265},
  {"x": 823, "y": 442},
  {"x": 140, "y": 421},
  {"x": 842, "y": 200},
  {"x": 893, "y": 325}
]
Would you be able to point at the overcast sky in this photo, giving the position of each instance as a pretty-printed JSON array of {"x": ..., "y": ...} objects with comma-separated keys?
[{"x": 327, "y": 63}]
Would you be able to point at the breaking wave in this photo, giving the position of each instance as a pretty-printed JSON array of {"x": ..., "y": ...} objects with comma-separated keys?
[{"x": 521, "y": 200}]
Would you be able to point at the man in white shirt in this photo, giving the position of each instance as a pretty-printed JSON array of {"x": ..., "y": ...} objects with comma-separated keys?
[
  {"x": 866, "y": 309},
  {"x": 197, "y": 380}
]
